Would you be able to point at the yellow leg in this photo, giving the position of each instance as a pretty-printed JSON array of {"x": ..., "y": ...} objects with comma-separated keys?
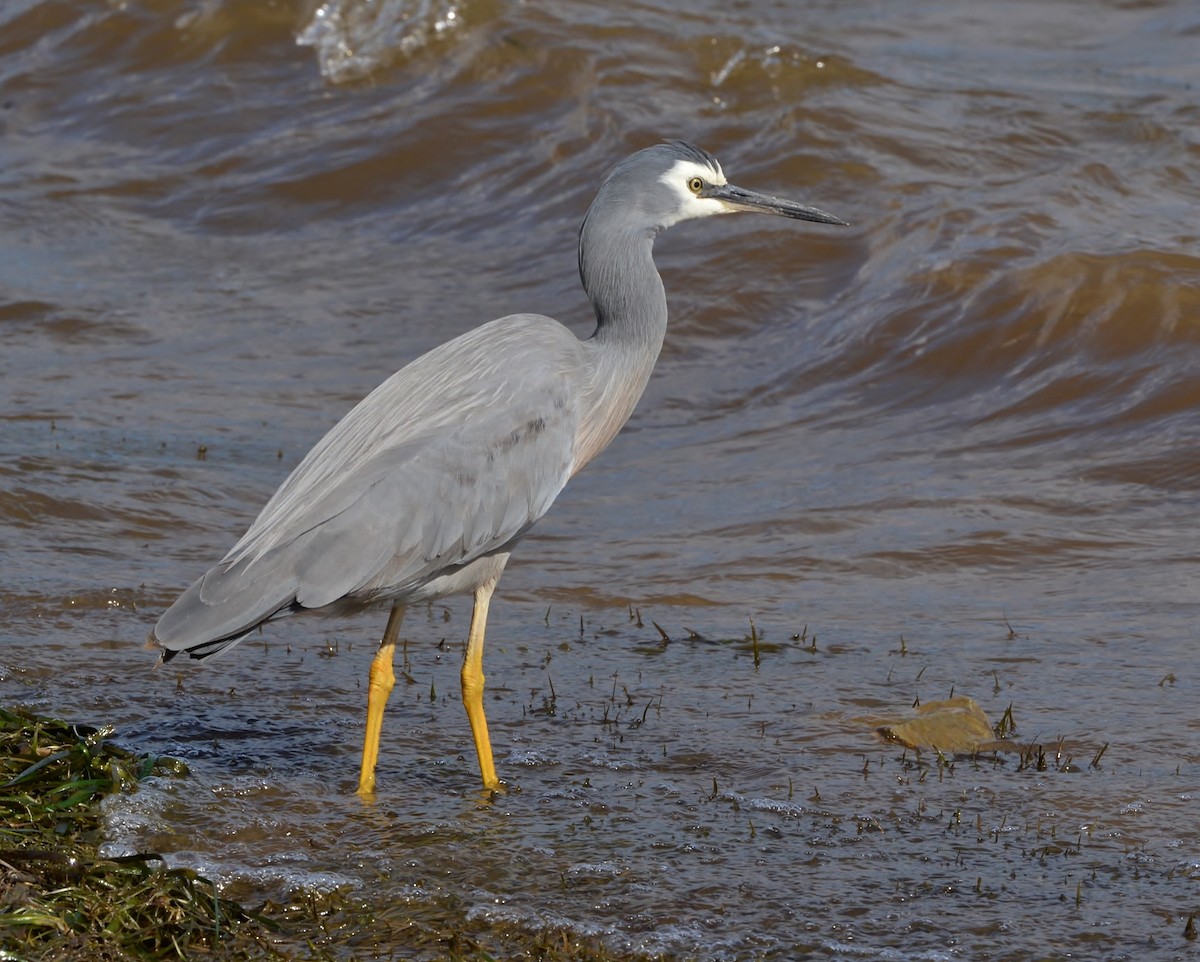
[
  {"x": 472, "y": 685},
  {"x": 378, "y": 689}
]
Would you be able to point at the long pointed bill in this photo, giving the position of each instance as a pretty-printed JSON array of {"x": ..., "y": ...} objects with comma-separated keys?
[{"x": 737, "y": 198}]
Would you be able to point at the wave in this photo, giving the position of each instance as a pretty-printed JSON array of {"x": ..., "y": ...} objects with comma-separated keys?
[{"x": 355, "y": 38}]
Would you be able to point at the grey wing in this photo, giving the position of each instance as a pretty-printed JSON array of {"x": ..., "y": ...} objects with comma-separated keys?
[{"x": 451, "y": 459}]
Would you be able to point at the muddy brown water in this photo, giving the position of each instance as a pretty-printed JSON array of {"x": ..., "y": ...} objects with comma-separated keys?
[{"x": 969, "y": 422}]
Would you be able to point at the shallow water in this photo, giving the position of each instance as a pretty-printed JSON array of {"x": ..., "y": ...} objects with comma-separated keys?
[{"x": 968, "y": 422}]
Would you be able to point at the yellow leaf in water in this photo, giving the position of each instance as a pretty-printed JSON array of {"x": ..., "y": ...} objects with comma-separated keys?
[{"x": 955, "y": 725}]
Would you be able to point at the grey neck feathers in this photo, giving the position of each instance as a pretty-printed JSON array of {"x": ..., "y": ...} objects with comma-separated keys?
[
  {"x": 618, "y": 273},
  {"x": 616, "y": 266}
]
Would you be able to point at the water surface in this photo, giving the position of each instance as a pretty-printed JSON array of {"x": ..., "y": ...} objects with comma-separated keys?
[{"x": 968, "y": 422}]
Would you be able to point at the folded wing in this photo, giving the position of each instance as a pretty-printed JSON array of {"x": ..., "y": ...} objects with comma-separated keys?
[{"x": 451, "y": 459}]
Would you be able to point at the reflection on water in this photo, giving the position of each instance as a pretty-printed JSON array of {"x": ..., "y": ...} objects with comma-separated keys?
[{"x": 967, "y": 423}]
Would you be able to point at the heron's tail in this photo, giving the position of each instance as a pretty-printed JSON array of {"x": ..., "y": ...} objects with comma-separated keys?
[{"x": 218, "y": 611}]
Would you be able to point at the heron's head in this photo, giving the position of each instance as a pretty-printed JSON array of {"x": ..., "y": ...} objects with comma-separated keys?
[{"x": 676, "y": 181}]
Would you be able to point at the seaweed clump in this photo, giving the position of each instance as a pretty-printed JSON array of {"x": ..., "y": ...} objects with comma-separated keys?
[{"x": 58, "y": 898}]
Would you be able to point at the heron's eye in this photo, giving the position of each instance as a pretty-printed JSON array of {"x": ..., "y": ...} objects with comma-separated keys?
[{"x": 695, "y": 185}]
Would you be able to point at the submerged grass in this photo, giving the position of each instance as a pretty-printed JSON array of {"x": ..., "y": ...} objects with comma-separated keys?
[{"x": 60, "y": 901}]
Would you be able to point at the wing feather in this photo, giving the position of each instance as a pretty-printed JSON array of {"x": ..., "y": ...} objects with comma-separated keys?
[{"x": 451, "y": 459}]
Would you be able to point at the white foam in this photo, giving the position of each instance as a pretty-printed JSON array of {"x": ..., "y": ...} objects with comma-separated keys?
[{"x": 354, "y": 38}]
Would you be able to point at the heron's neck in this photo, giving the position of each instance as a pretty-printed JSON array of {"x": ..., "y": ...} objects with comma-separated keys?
[
  {"x": 618, "y": 273},
  {"x": 627, "y": 294}
]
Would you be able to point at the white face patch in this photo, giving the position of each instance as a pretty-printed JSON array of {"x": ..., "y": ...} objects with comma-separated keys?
[{"x": 691, "y": 206}]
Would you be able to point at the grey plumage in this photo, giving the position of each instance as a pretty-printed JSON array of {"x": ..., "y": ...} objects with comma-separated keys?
[
  {"x": 423, "y": 489},
  {"x": 486, "y": 439}
]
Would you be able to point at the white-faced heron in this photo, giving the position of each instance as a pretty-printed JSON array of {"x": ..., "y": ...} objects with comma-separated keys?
[{"x": 424, "y": 488}]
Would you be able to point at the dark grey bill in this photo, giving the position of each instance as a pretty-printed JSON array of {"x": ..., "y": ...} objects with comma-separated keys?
[{"x": 750, "y": 200}]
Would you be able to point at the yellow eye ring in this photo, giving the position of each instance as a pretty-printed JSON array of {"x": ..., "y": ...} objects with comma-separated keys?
[{"x": 695, "y": 185}]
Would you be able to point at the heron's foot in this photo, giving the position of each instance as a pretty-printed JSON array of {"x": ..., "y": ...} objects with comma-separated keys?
[{"x": 489, "y": 793}]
